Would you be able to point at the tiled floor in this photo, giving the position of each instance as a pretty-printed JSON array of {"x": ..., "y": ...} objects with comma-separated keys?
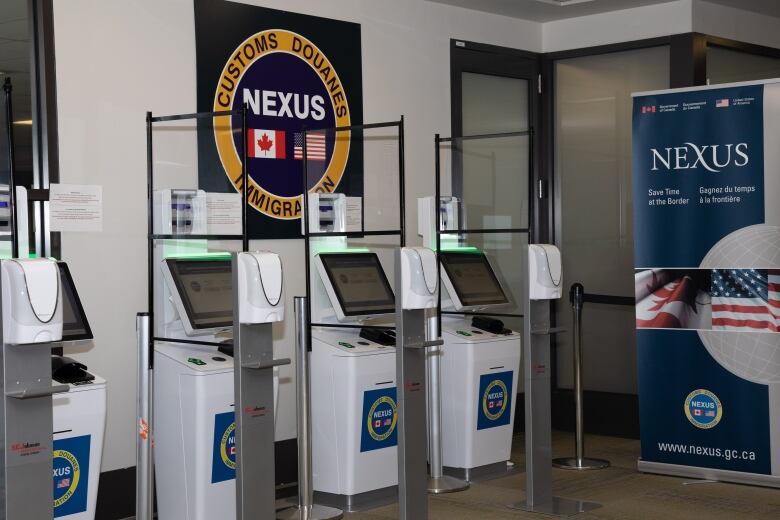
[{"x": 624, "y": 493}]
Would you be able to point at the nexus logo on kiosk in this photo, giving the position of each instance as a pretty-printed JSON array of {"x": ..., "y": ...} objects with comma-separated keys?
[
  {"x": 287, "y": 84},
  {"x": 495, "y": 391}
]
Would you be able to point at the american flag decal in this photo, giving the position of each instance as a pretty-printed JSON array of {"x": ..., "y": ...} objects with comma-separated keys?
[
  {"x": 315, "y": 146},
  {"x": 63, "y": 483},
  {"x": 746, "y": 299}
]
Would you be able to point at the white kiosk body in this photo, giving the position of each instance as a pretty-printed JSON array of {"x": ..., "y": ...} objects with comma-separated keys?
[
  {"x": 353, "y": 381},
  {"x": 479, "y": 370},
  {"x": 194, "y": 422},
  {"x": 79, "y": 429}
]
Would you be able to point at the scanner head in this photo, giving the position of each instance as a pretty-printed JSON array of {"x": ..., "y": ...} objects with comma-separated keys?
[
  {"x": 32, "y": 308},
  {"x": 260, "y": 288},
  {"x": 420, "y": 278}
]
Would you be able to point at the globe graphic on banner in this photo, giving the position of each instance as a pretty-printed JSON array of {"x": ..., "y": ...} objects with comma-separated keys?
[
  {"x": 752, "y": 247},
  {"x": 754, "y": 356}
]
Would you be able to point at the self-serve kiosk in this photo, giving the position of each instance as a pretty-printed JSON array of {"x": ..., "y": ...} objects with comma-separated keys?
[
  {"x": 194, "y": 420},
  {"x": 479, "y": 368},
  {"x": 54, "y": 411},
  {"x": 480, "y": 359},
  {"x": 353, "y": 381},
  {"x": 79, "y": 416}
]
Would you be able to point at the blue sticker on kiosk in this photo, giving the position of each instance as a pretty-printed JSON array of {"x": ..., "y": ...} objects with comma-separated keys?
[
  {"x": 379, "y": 419},
  {"x": 495, "y": 400},
  {"x": 223, "y": 462},
  {"x": 71, "y": 475}
]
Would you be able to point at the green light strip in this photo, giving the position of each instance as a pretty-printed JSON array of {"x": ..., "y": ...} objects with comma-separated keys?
[
  {"x": 217, "y": 255},
  {"x": 346, "y": 250}
]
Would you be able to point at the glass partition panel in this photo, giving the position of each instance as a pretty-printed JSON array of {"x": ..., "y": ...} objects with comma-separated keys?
[
  {"x": 729, "y": 66},
  {"x": 594, "y": 213}
]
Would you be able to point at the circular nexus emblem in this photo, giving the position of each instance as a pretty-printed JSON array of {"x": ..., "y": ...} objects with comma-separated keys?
[
  {"x": 67, "y": 473},
  {"x": 494, "y": 400},
  {"x": 703, "y": 409},
  {"x": 227, "y": 446},
  {"x": 382, "y": 418},
  {"x": 287, "y": 84}
]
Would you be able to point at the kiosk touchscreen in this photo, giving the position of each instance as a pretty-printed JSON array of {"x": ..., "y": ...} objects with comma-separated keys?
[
  {"x": 79, "y": 416},
  {"x": 470, "y": 281},
  {"x": 202, "y": 293},
  {"x": 195, "y": 450},
  {"x": 353, "y": 385},
  {"x": 479, "y": 369}
]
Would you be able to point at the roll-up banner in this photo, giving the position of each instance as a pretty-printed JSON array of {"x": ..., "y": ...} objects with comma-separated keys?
[{"x": 706, "y": 176}]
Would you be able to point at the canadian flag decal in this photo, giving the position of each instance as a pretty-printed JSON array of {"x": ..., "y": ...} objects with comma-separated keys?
[{"x": 265, "y": 144}]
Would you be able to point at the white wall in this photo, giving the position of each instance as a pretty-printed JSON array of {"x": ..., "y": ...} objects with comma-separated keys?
[
  {"x": 116, "y": 59},
  {"x": 638, "y": 23},
  {"x": 736, "y": 24}
]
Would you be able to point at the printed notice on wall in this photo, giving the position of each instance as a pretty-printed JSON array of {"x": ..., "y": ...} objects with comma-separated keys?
[
  {"x": 76, "y": 207},
  {"x": 224, "y": 213}
]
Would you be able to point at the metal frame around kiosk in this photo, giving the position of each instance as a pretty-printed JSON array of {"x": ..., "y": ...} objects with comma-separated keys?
[
  {"x": 536, "y": 351},
  {"x": 253, "y": 362},
  {"x": 407, "y": 433}
]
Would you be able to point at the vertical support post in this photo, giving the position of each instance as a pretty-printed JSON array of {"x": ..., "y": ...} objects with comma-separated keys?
[
  {"x": 306, "y": 508},
  {"x": 538, "y": 425},
  {"x": 9, "y": 117},
  {"x": 254, "y": 412},
  {"x": 410, "y": 377},
  {"x": 26, "y": 430},
  {"x": 579, "y": 461},
  {"x": 144, "y": 477},
  {"x": 437, "y": 482},
  {"x": 305, "y": 485}
]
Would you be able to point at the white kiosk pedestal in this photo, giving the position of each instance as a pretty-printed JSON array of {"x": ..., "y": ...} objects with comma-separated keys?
[
  {"x": 194, "y": 433},
  {"x": 79, "y": 426},
  {"x": 353, "y": 401},
  {"x": 479, "y": 373}
]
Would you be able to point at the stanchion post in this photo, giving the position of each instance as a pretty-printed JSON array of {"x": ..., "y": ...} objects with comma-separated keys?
[
  {"x": 437, "y": 482},
  {"x": 579, "y": 461},
  {"x": 144, "y": 477},
  {"x": 305, "y": 509}
]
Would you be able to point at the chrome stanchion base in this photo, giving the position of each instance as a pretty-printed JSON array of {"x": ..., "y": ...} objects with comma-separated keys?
[
  {"x": 315, "y": 512},
  {"x": 557, "y": 506},
  {"x": 445, "y": 484},
  {"x": 587, "y": 463}
]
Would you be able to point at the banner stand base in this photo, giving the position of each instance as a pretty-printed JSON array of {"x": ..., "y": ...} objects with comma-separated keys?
[
  {"x": 562, "y": 507},
  {"x": 720, "y": 475}
]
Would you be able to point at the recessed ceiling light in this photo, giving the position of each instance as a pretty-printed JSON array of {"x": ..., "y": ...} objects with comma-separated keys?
[
  {"x": 563, "y": 3},
  {"x": 26, "y": 122}
]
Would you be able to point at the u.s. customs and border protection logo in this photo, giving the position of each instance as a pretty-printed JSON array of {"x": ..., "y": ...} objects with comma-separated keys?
[
  {"x": 288, "y": 84},
  {"x": 494, "y": 400},
  {"x": 703, "y": 409},
  {"x": 382, "y": 418},
  {"x": 67, "y": 472}
]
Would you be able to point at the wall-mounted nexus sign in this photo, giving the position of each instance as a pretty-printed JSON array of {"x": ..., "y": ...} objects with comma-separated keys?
[
  {"x": 707, "y": 258},
  {"x": 293, "y": 72}
]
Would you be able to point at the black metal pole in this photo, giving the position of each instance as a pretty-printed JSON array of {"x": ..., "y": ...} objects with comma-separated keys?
[
  {"x": 244, "y": 181},
  {"x": 402, "y": 181},
  {"x": 150, "y": 234},
  {"x": 306, "y": 238},
  {"x": 9, "y": 116},
  {"x": 436, "y": 218}
]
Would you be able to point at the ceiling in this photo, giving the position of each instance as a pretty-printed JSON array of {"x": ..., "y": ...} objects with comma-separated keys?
[{"x": 545, "y": 11}]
